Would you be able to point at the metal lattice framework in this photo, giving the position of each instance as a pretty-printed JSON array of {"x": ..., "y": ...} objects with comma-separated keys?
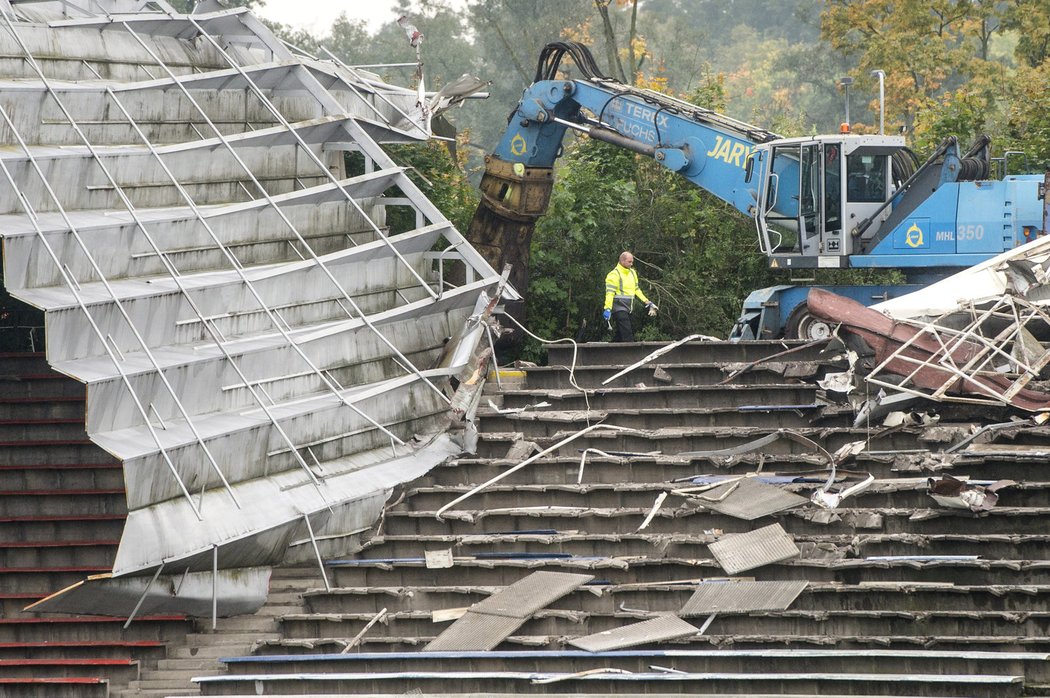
[{"x": 266, "y": 356}]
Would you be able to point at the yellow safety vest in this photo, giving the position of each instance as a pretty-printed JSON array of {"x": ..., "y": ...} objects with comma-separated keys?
[{"x": 621, "y": 287}]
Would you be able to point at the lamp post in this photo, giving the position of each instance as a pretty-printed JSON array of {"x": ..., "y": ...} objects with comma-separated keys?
[
  {"x": 844, "y": 83},
  {"x": 881, "y": 75}
]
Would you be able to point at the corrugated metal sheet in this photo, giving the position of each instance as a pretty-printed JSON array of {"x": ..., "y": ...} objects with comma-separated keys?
[
  {"x": 475, "y": 631},
  {"x": 489, "y": 622},
  {"x": 742, "y": 597},
  {"x": 750, "y": 499},
  {"x": 523, "y": 598},
  {"x": 653, "y": 630},
  {"x": 745, "y": 551}
]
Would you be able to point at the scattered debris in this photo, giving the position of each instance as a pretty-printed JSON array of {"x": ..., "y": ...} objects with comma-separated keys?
[
  {"x": 961, "y": 494},
  {"x": 518, "y": 410},
  {"x": 445, "y": 615},
  {"x": 489, "y": 622},
  {"x": 841, "y": 382},
  {"x": 771, "y": 357},
  {"x": 658, "y": 353},
  {"x": 438, "y": 559},
  {"x": 749, "y": 499},
  {"x": 510, "y": 471},
  {"x": 910, "y": 419},
  {"x": 990, "y": 359},
  {"x": 521, "y": 449},
  {"x": 652, "y": 512},
  {"x": 831, "y": 500},
  {"x": 660, "y": 629},
  {"x": 579, "y": 675},
  {"x": 745, "y": 551},
  {"x": 357, "y": 638},
  {"x": 734, "y": 596}
]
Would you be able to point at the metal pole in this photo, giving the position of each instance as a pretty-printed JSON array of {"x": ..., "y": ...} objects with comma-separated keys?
[
  {"x": 142, "y": 598},
  {"x": 317, "y": 552},
  {"x": 881, "y": 75},
  {"x": 845, "y": 83},
  {"x": 214, "y": 587}
]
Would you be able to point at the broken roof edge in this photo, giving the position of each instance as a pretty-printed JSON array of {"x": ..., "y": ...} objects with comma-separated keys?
[{"x": 977, "y": 284}]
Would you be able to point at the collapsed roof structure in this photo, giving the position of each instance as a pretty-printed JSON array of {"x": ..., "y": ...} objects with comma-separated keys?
[
  {"x": 203, "y": 214},
  {"x": 206, "y": 218},
  {"x": 979, "y": 336}
]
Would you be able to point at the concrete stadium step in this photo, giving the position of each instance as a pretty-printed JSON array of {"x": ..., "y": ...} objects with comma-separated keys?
[
  {"x": 58, "y": 553},
  {"x": 467, "y": 519},
  {"x": 12, "y": 603},
  {"x": 662, "y": 373},
  {"x": 116, "y": 670},
  {"x": 647, "y": 468},
  {"x": 41, "y": 408},
  {"x": 16, "y": 363},
  {"x": 544, "y": 423},
  {"x": 62, "y": 476},
  {"x": 564, "y": 623},
  {"x": 91, "y": 629},
  {"x": 569, "y": 660},
  {"x": 883, "y": 494},
  {"x": 746, "y": 683},
  {"x": 1014, "y": 467},
  {"x": 1002, "y": 546},
  {"x": 45, "y": 579},
  {"x": 146, "y": 651},
  {"x": 681, "y": 440},
  {"x": 625, "y": 354},
  {"x": 633, "y": 495},
  {"x": 61, "y": 527},
  {"x": 42, "y": 430},
  {"x": 671, "y": 596},
  {"x": 47, "y": 687},
  {"x": 668, "y": 397},
  {"x": 52, "y": 451},
  {"x": 811, "y": 566},
  {"x": 57, "y": 502},
  {"x": 531, "y": 642},
  {"x": 40, "y": 386},
  {"x": 509, "y": 568}
]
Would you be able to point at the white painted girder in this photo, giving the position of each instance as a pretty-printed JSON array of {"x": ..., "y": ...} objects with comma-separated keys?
[
  {"x": 418, "y": 330},
  {"x": 252, "y": 230}
]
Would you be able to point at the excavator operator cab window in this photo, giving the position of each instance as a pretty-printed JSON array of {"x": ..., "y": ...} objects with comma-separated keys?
[{"x": 865, "y": 178}]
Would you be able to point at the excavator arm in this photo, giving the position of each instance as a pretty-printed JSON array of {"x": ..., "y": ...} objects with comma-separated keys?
[{"x": 707, "y": 148}]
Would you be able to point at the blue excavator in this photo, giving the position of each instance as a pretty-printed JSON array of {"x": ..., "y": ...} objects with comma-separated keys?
[{"x": 841, "y": 201}]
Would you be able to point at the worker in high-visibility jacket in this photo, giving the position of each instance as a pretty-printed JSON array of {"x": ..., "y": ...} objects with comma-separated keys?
[{"x": 621, "y": 288}]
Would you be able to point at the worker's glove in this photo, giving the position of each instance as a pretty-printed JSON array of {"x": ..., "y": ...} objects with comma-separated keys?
[
  {"x": 607, "y": 314},
  {"x": 652, "y": 309}
]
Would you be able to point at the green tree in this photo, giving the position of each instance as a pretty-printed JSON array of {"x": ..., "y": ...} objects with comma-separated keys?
[
  {"x": 1030, "y": 19},
  {"x": 925, "y": 47}
]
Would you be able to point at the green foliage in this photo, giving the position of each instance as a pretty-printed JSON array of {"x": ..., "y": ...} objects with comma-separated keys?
[
  {"x": 441, "y": 178},
  {"x": 696, "y": 256},
  {"x": 952, "y": 68},
  {"x": 1027, "y": 121}
]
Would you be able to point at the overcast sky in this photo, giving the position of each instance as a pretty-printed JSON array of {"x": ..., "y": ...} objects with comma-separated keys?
[{"x": 316, "y": 16}]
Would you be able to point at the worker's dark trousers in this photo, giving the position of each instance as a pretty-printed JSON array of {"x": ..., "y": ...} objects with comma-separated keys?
[{"x": 622, "y": 330}]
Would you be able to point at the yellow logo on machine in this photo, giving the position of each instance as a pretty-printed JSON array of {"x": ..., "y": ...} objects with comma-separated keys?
[
  {"x": 913, "y": 237},
  {"x": 518, "y": 145}
]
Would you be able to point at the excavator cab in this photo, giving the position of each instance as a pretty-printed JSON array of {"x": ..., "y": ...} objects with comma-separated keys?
[{"x": 813, "y": 191}]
